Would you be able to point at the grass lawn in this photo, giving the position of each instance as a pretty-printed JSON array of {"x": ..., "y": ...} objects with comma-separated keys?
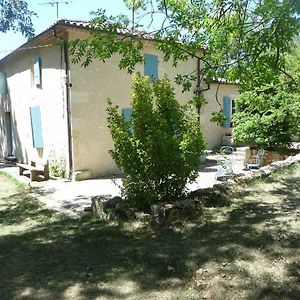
[{"x": 247, "y": 249}]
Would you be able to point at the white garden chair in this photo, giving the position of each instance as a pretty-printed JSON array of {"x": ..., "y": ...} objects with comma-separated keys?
[
  {"x": 224, "y": 166},
  {"x": 255, "y": 163}
]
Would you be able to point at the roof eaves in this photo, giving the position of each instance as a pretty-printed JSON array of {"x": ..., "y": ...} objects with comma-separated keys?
[{"x": 28, "y": 43}]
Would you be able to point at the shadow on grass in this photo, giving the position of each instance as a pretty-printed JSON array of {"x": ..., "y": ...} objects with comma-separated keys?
[
  {"x": 17, "y": 211},
  {"x": 117, "y": 261}
]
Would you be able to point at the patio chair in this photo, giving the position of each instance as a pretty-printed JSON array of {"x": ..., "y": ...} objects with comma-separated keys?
[
  {"x": 226, "y": 149},
  {"x": 224, "y": 167},
  {"x": 256, "y": 162}
]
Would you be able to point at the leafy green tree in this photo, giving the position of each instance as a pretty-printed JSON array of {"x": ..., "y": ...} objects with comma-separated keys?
[
  {"x": 269, "y": 116},
  {"x": 159, "y": 148},
  {"x": 241, "y": 40},
  {"x": 15, "y": 15}
]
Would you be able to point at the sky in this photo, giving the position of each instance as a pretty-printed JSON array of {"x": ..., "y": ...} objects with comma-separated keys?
[{"x": 75, "y": 9}]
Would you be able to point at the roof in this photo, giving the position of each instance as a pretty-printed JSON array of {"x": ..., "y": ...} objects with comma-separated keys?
[
  {"x": 79, "y": 24},
  {"x": 88, "y": 25}
]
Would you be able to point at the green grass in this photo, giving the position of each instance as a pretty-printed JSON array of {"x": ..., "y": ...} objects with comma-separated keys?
[
  {"x": 8, "y": 180},
  {"x": 248, "y": 249}
]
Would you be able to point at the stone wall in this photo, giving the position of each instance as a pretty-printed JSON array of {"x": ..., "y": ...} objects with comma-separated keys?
[{"x": 269, "y": 156}]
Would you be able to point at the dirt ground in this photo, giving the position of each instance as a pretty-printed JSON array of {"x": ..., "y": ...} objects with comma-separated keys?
[{"x": 245, "y": 247}]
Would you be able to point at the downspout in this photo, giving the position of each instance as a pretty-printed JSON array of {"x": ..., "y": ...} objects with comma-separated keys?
[
  {"x": 65, "y": 50},
  {"x": 198, "y": 91}
]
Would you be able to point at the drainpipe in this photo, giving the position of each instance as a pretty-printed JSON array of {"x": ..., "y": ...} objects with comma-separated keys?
[
  {"x": 198, "y": 91},
  {"x": 68, "y": 85}
]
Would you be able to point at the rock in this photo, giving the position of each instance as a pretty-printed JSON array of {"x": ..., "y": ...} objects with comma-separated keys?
[
  {"x": 113, "y": 202},
  {"x": 173, "y": 215},
  {"x": 122, "y": 211},
  {"x": 225, "y": 177},
  {"x": 108, "y": 207},
  {"x": 158, "y": 214},
  {"x": 143, "y": 217},
  {"x": 82, "y": 175},
  {"x": 267, "y": 170},
  {"x": 171, "y": 269},
  {"x": 172, "y": 212},
  {"x": 200, "y": 282},
  {"x": 87, "y": 208},
  {"x": 97, "y": 208}
]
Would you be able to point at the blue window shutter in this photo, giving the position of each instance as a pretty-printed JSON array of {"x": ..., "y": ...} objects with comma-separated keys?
[
  {"x": 36, "y": 126},
  {"x": 151, "y": 66},
  {"x": 127, "y": 112},
  {"x": 3, "y": 83},
  {"x": 227, "y": 111},
  {"x": 37, "y": 70}
]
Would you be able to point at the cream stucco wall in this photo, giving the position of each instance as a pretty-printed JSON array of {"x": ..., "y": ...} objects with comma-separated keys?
[
  {"x": 50, "y": 96},
  {"x": 92, "y": 86},
  {"x": 213, "y": 133}
]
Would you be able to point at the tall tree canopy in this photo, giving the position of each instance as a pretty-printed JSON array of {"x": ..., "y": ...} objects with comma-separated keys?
[
  {"x": 269, "y": 116},
  {"x": 241, "y": 40},
  {"x": 15, "y": 15}
]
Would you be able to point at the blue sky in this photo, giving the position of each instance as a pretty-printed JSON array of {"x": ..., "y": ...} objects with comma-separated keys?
[{"x": 76, "y": 9}]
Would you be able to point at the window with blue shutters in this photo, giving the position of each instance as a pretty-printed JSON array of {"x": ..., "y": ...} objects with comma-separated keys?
[
  {"x": 3, "y": 83},
  {"x": 151, "y": 66},
  {"x": 37, "y": 71},
  {"x": 227, "y": 109},
  {"x": 127, "y": 112},
  {"x": 36, "y": 127}
]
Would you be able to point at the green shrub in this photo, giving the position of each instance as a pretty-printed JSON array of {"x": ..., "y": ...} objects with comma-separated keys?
[
  {"x": 58, "y": 167},
  {"x": 159, "y": 148},
  {"x": 267, "y": 118}
]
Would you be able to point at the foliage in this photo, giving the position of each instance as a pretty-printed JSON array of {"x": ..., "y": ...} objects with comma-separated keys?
[
  {"x": 58, "y": 167},
  {"x": 159, "y": 148},
  {"x": 199, "y": 101},
  {"x": 102, "y": 47},
  {"x": 242, "y": 40},
  {"x": 15, "y": 15},
  {"x": 269, "y": 115},
  {"x": 292, "y": 68},
  {"x": 267, "y": 118},
  {"x": 218, "y": 117}
]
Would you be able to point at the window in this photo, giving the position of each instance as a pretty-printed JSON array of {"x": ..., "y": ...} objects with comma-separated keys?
[
  {"x": 36, "y": 127},
  {"x": 3, "y": 83},
  {"x": 228, "y": 109},
  {"x": 127, "y": 112},
  {"x": 37, "y": 71},
  {"x": 151, "y": 66}
]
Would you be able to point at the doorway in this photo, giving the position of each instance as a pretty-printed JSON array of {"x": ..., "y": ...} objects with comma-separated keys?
[{"x": 9, "y": 134}]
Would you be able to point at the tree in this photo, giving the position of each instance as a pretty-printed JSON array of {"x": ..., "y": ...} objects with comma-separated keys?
[
  {"x": 159, "y": 148},
  {"x": 269, "y": 116},
  {"x": 15, "y": 15},
  {"x": 241, "y": 40}
]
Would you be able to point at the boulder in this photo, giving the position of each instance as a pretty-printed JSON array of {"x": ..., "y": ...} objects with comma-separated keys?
[
  {"x": 165, "y": 213},
  {"x": 109, "y": 207},
  {"x": 82, "y": 175}
]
